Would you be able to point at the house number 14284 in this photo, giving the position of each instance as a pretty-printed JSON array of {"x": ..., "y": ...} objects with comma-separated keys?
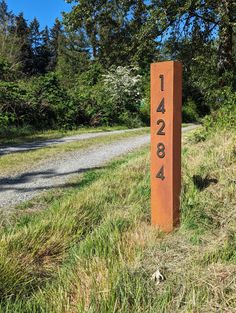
[{"x": 161, "y": 131}]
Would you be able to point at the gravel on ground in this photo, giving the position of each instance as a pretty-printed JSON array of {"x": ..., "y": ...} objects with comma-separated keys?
[
  {"x": 55, "y": 173},
  {"x": 51, "y": 142}
]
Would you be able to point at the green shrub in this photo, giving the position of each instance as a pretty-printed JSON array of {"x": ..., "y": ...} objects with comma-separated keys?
[
  {"x": 12, "y": 105},
  {"x": 198, "y": 135},
  {"x": 111, "y": 98},
  {"x": 130, "y": 120},
  {"x": 222, "y": 117},
  {"x": 40, "y": 103},
  {"x": 144, "y": 110},
  {"x": 88, "y": 92},
  {"x": 224, "y": 114},
  {"x": 4, "y": 68},
  {"x": 51, "y": 106},
  {"x": 190, "y": 112}
]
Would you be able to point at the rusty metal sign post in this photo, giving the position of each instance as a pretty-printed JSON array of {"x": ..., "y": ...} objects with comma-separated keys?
[{"x": 166, "y": 108}]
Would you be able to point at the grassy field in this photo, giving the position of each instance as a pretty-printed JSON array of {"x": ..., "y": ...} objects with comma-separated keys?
[
  {"x": 18, "y": 162},
  {"x": 92, "y": 248}
]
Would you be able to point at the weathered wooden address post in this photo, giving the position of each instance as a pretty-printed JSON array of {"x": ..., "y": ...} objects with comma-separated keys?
[{"x": 166, "y": 107}]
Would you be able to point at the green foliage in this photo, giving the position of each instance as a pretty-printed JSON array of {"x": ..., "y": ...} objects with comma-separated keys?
[
  {"x": 89, "y": 91},
  {"x": 222, "y": 117},
  {"x": 109, "y": 97},
  {"x": 93, "y": 67},
  {"x": 50, "y": 104},
  {"x": 12, "y": 105},
  {"x": 190, "y": 113},
  {"x": 199, "y": 135},
  {"x": 41, "y": 102},
  {"x": 119, "y": 33},
  {"x": 224, "y": 114},
  {"x": 144, "y": 110},
  {"x": 72, "y": 56},
  {"x": 4, "y": 69}
]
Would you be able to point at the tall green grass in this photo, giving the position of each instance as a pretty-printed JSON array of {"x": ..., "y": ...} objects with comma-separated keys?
[{"x": 93, "y": 249}]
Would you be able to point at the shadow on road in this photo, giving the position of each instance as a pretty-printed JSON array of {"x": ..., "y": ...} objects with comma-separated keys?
[
  {"x": 29, "y": 146},
  {"x": 14, "y": 183}
]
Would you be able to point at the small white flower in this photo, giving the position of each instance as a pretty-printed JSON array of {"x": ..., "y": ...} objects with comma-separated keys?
[{"x": 158, "y": 277}]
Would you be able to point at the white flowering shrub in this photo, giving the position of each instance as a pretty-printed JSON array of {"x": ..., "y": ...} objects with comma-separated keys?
[{"x": 123, "y": 89}]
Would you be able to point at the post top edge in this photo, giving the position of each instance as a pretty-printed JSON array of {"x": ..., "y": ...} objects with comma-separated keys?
[{"x": 169, "y": 62}]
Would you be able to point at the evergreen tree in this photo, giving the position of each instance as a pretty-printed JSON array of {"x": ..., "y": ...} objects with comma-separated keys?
[
  {"x": 55, "y": 37},
  {"x": 45, "y": 53},
  {"x": 7, "y": 40},
  {"x": 35, "y": 40},
  {"x": 25, "y": 54},
  {"x": 73, "y": 56},
  {"x": 6, "y": 18}
]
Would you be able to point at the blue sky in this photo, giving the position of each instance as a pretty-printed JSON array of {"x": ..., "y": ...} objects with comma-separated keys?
[{"x": 46, "y": 11}]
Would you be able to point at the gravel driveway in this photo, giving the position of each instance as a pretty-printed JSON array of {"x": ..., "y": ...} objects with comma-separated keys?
[
  {"x": 51, "y": 142},
  {"x": 55, "y": 173}
]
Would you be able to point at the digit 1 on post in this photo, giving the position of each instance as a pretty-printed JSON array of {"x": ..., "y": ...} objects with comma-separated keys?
[{"x": 166, "y": 108}]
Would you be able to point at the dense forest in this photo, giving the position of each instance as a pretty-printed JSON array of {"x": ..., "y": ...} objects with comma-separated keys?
[{"x": 92, "y": 68}]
